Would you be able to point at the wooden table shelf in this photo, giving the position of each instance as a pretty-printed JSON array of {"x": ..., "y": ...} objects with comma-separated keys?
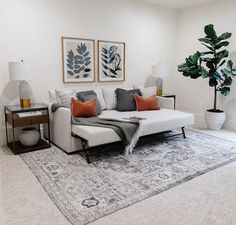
[{"x": 13, "y": 120}]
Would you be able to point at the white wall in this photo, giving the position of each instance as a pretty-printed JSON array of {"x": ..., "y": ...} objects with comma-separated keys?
[
  {"x": 195, "y": 95},
  {"x": 31, "y": 30}
]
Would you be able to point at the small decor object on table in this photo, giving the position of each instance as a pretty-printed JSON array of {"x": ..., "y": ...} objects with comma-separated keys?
[
  {"x": 29, "y": 138},
  {"x": 78, "y": 60},
  {"x": 111, "y": 61},
  {"x": 209, "y": 65}
]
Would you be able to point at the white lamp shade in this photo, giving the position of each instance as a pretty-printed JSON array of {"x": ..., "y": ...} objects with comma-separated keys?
[
  {"x": 21, "y": 70},
  {"x": 159, "y": 70},
  {"x": 155, "y": 70}
]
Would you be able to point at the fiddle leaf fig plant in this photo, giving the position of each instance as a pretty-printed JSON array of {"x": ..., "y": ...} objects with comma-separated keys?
[{"x": 212, "y": 64}]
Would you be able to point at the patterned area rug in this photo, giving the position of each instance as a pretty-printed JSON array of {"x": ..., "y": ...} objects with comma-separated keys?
[{"x": 85, "y": 192}]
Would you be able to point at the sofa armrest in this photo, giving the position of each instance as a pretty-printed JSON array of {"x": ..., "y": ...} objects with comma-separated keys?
[
  {"x": 60, "y": 125},
  {"x": 166, "y": 103}
]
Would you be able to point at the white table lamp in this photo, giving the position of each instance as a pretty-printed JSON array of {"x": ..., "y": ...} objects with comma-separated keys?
[{"x": 22, "y": 71}]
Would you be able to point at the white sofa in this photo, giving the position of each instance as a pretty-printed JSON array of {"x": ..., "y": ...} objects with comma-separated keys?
[{"x": 71, "y": 137}]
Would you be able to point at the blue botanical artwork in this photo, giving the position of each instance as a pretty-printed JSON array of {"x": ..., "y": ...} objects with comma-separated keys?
[
  {"x": 78, "y": 60},
  {"x": 111, "y": 61}
]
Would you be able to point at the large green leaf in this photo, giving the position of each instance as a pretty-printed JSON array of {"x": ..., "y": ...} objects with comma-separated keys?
[
  {"x": 230, "y": 64},
  {"x": 221, "y": 55},
  {"x": 210, "y": 32},
  {"x": 207, "y": 53},
  {"x": 204, "y": 72},
  {"x": 210, "y": 65},
  {"x": 224, "y": 36},
  {"x": 228, "y": 72},
  {"x": 207, "y": 59},
  {"x": 225, "y": 91},
  {"x": 195, "y": 57},
  {"x": 216, "y": 75},
  {"x": 209, "y": 47},
  {"x": 207, "y": 41},
  {"x": 195, "y": 75},
  {"x": 213, "y": 82},
  {"x": 221, "y": 44},
  {"x": 221, "y": 64},
  {"x": 228, "y": 81}
]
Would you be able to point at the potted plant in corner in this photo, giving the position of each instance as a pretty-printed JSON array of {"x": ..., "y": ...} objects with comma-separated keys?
[{"x": 214, "y": 65}]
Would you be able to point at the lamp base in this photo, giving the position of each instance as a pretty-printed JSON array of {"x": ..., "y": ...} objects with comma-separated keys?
[
  {"x": 25, "y": 103},
  {"x": 24, "y": 94},
  {"x": 159, "y": 92},
  {"x": 159, "y": 85}
]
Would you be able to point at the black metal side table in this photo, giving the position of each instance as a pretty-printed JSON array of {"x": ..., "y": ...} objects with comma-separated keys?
[
  {"x": 14, "y": 120},
  {"x": 170, "y": 96}
]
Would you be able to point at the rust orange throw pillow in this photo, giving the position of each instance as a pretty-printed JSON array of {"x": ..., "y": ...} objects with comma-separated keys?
[
  {"x": 149, "y": 103},
  {"x": 83, "y": 109}
]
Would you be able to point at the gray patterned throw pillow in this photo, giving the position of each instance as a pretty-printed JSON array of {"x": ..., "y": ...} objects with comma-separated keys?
[{"x": 125, "y": 99}]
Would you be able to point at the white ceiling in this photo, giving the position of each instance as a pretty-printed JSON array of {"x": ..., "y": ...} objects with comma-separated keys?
[{"x": 178, "y": 4}]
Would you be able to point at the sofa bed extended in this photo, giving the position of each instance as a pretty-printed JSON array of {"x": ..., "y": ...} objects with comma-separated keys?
[{"x": 71, "y": 138}]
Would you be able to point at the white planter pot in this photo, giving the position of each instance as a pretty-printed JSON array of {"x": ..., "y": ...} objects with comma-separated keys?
[
  {"x": 215, "y": 120},
  {"x": 29, "y": 136}
]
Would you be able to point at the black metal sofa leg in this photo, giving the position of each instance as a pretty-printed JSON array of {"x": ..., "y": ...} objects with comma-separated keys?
[
  {"x": 84, "y": 143},
  {"x": 183, "y": 132},
  {"x": 87, "y": 157}
]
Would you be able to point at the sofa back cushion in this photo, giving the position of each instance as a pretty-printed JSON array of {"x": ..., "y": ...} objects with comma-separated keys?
[
  {"x": 54, "y": 98},
  {"x": 83, "y": 109},
  {"x": 84, "y": 96},
  {"x": 149, "y": 103},
  {"x": 110, "y": 98},
  {"x": 100, "y": 97},
  {"x": 65, "y": 96},
  {"x": 125, "y": 99}
]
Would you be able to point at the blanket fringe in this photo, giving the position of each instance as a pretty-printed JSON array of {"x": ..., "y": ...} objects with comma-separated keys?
[{"x": 129, "y": 148}]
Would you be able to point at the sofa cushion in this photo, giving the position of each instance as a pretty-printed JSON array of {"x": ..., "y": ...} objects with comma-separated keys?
[
  {"x": 65, "y": 96},
  {"x": 156, "y": 121},
  {"x": 100, "y": 97},
  {"x": 110, "y": 98},
  {"x": 149, "y": 103},
  {"x": 125, "y": 99},
  {"x": 96, "y": 135},
  {"x": 52, "y": 97},
  {"x": 88, "y": 95},
  {"x": 83, "y": 109}
]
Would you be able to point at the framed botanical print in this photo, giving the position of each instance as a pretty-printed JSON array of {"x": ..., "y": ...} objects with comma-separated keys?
[
  {"x": 78, "y": 60},
  {"x": 111, "y": 61}
]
